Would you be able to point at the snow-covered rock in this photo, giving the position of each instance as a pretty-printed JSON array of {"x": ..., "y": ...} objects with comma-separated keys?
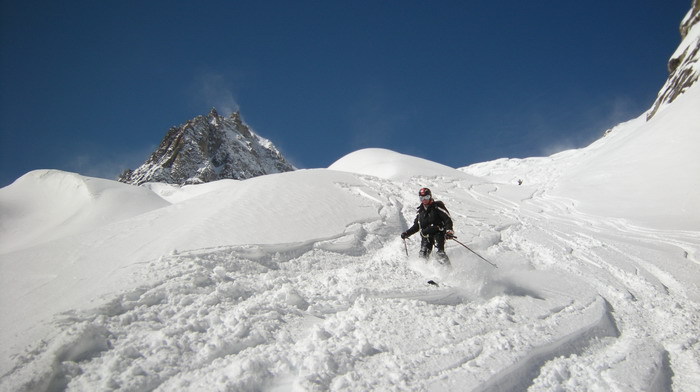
[
  {"x": 209, "y": 148},
  {"x": 683, "y": 66}
]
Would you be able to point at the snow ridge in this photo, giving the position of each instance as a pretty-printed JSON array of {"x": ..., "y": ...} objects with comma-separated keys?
[{"x": 46, "y": 205}]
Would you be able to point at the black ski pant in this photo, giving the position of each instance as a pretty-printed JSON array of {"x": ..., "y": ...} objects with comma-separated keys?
[{"x": 437, "y": 240}]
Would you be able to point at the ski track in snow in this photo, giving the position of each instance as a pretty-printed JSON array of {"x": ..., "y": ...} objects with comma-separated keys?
[{"x": 574, "y": 299}]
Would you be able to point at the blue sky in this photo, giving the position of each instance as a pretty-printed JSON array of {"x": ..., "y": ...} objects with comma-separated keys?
[{"x": 93, "y": 86}]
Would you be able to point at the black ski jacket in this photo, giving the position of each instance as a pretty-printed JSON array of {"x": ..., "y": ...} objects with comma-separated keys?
[{"x": 431, "y": 219}]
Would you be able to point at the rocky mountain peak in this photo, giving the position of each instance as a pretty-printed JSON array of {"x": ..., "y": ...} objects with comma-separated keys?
[
  {"x": 683, "y": 67},
  {"x": 209, "y": 148}
]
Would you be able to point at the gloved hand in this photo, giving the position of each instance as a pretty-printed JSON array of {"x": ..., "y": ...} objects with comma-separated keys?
[
  {"x": 450, "y": 234},
  {"x": 404, "y": 235}
]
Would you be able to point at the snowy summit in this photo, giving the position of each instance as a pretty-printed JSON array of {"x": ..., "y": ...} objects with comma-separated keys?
[
  {"x": 209, "y": 148},
  {"x": 299, "y": 281}
]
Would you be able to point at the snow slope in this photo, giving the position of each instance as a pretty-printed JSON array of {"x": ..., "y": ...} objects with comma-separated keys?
[
  {"x": 298, "y": 281},
  {"x": 80, "y": 268},
  {"x": 649, "y": 173},
  {"x": 644, "y": 172}
]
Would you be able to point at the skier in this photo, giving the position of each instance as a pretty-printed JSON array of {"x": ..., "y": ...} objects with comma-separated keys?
[{"x": 435, "y": 225}]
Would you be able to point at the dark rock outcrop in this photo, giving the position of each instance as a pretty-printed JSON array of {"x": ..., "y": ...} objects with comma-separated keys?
[
  {"x": 209, "y": 148},
  {"x": 683, "y": 66}
]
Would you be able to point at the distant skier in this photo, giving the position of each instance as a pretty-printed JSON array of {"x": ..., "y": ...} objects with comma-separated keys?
[{"x": 435, "y": 225}]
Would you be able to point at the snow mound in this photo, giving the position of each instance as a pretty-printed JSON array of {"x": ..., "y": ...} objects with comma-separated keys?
[
  {"x": 176, "y": 193},
  {"x": 297, "y": 208},
  {"x": 392, "y": 165},
  {"x": 46, "y": 205}
]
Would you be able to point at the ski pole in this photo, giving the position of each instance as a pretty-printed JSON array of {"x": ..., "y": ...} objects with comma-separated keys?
[
  {"x": 405, "y": 246},
  {"x": 469, "y": 249}
]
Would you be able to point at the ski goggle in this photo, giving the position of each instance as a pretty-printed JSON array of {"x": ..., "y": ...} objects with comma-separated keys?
[{"x": 426, "y": 197}]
